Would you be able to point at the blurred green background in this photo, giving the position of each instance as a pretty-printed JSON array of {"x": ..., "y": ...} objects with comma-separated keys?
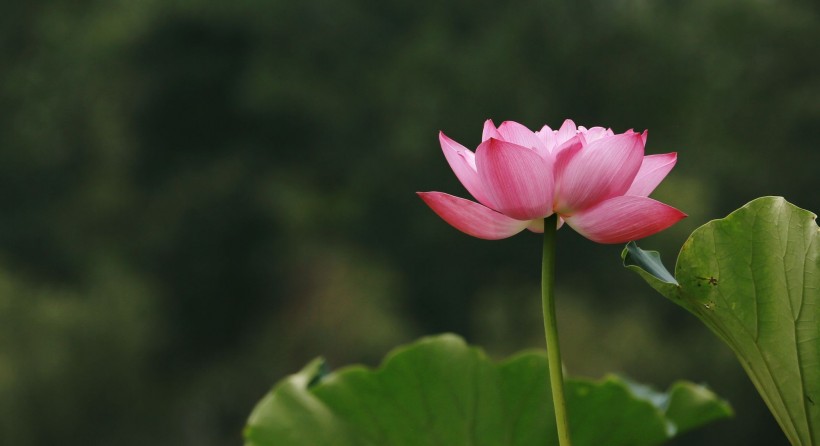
[{"x": 196, "y": 198}]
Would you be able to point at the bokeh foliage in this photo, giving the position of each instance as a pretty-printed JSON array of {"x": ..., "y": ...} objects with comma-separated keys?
[{"x": 198, "y": 197}]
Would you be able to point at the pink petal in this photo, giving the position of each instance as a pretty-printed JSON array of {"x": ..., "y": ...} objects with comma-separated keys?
[
  {"x": 519, "y": 134},
  {"x": 653, "y": 170},
  {"x": 472, "y": 218},
  {"x": 517, "y": 180},
  {"x": 625, "y": 218},
  {"x": 567, "y": 131},
  {"x": 603, "y": 169},
  {"x": 462, "y": 161},
  {"x": 547, "y": 136},
  {"x": 489, "y": 131},
  {"x": 596, "y": 133},
  {"x": 573, "y": 144}
]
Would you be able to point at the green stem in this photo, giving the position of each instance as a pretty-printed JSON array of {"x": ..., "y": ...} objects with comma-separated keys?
[{"x": 551, "y": 330}]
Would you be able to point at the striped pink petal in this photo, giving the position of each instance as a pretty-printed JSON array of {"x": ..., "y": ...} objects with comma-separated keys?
[
  {"x": 472, "y": 218},
  {"x": 572, "y": 145},
  {"x": 623, "y": 219},
  {"x": 603, "y": 169},
  {"x": 462, "y": 161},
  {"x": 519, "y": 134},
  {"x": 567, "y": 131},
  {"x": 489, "y": 131},
  {"x": 516, "y": 179},
  {"x": 596, "y": 133},
  {"x": 547, "y": 136},
  {"x": 654, "y": 169}
]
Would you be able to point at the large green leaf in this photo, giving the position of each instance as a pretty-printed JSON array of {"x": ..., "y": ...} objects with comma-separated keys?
[
  {"x": 439, "y": 391},
  {"x": 754, "y": 279}
]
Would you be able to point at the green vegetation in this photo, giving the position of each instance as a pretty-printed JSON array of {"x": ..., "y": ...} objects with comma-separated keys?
[
  {"x": 753, "y": 279},
  {"x": 440, "y": 391}
]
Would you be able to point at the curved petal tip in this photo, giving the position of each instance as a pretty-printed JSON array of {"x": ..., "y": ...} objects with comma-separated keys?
[
  {"x": 623, "y": 219},
  {"x": 472, "y": 218}
]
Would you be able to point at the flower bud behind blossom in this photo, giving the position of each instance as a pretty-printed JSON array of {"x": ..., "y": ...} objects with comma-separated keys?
[{"x": 596, "y": 181}]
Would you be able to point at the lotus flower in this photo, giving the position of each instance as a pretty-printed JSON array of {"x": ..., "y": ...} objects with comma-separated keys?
[{"x": 596, "y": 181}]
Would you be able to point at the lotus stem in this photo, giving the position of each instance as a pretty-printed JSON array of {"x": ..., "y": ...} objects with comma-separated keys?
[{"x": 551, "y": 330}]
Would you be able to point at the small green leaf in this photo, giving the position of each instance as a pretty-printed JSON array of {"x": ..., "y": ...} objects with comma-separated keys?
[
  {"x": 690, "y": 405},
  {"x": 754, "y": 279},
  {"x": 439, "y": 391},
  {"x": 649, "y": 261}
]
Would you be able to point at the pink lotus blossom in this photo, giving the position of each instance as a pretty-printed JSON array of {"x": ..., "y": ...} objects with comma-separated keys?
[{"x": 596, "y": 181}]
